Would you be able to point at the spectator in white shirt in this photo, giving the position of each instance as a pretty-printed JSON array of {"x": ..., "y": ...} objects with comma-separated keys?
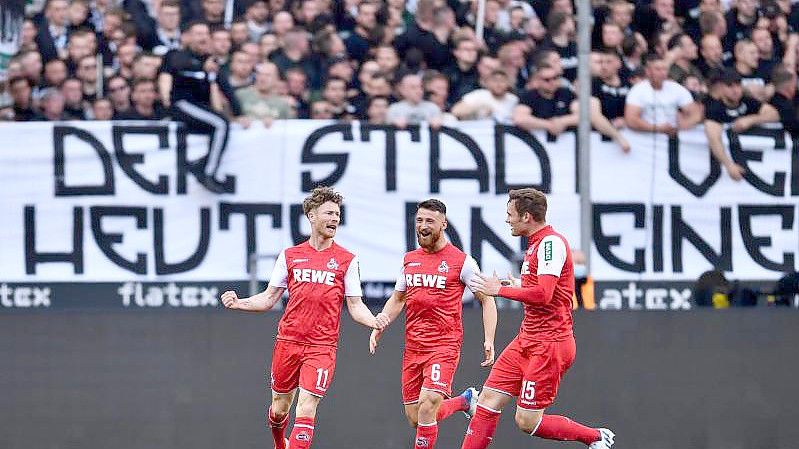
[
  {"x": 495, "y": 101},
  {"x": 658, "y": 104}
]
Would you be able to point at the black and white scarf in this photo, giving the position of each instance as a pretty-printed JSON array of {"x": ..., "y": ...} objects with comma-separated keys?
[{"x": 12, "y": 12}]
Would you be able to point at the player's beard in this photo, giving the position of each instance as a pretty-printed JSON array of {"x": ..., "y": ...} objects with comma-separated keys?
[{"x": 428, "y": 241}]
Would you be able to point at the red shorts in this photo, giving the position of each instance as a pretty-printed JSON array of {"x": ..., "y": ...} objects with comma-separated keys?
[
  {"x": 310, "y": 367},
  {"x": 532, "y": 371},
  {"x": 429, "y": 370}
]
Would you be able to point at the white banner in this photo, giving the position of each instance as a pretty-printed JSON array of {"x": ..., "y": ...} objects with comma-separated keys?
[
  {"x": 119, "y": 204},
  {"x": 102, "y": 202},
  {"x": 668, "y": 211}
]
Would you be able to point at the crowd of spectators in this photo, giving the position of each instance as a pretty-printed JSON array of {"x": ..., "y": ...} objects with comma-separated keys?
[{"x": 658, "y": 66}]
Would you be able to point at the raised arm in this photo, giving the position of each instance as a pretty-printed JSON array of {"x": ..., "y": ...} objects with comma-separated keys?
[{"x": 260, "y": 302}]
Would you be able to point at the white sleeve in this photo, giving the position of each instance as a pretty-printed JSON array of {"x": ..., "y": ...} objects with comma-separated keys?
[
  {"x": 684, "y": 97},
  {"x": 401, "y": 286},
  {"x": 352, "y": 279},
  {"x": 551, "y": 256},
  {"x": 469, "y": 270},
  {"x": 280, "y": 274},
  {"x": 634, "y": 96}
]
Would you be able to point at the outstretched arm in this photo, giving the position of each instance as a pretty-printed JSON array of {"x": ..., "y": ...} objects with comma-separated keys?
[
  {"x": 360, "y": 313},
  {"x": 257, "y": 303},
  {"x": 391, "y": 311},
  {"x": 538, "y": 295}
]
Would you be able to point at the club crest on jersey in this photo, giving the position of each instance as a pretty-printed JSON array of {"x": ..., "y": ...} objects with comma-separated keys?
[
  {"x": 332, "y": 264},
  {"x": 443, "y": 268}
]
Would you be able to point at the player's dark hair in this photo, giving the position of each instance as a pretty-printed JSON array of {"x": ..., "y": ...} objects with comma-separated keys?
[
  {"x": 319, "y": 196},
  {"x": 432, "y": 204},
  {"x": 530, "y": 201}
]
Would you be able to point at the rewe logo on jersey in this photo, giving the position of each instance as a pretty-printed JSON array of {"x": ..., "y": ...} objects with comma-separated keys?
[
  {"x": 443, "y": 268},
  {"x": 314, "y": 276},
  {"x": 426, "y": 280}
]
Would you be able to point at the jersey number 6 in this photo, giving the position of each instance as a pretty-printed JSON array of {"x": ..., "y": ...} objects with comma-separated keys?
[{"x": 435, "y": 372}]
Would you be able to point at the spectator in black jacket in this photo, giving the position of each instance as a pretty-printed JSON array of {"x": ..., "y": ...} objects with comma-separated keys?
[
  {"x": 462, "y": 72},
  {"x": 53, "y": 32}
]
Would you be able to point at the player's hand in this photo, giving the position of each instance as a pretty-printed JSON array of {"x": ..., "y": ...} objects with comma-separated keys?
[
  {"x": 374, "y": 338},
  {"x": 488, "y": 350},
  {"x": 487, "y": 285},
  {"x": 230, "y": 299},
  {"x": 511, "y": 281},
  {"x": 382, "y": 321}
]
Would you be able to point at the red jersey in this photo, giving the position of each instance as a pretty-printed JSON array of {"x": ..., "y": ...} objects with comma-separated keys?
[
  {"x": 548, "y": 253},
  {"x": 433, "y": 284},
  {"x": 317, "y": 282}
]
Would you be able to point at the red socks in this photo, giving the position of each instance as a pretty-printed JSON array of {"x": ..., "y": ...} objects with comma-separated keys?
[
  {"x": 426, "y": 436},
  {"x": 554, "y": 427},
  {"x": 302, "y": 433},
  {"x": 481, "y": 429},
  {"x": 278, "y": 430},
  {"x": 450, "y": 406}
]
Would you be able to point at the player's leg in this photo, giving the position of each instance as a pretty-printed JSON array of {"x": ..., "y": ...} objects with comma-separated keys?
[
  {"x": 547, "y": 364},
  {"x": 285, "y": 375},
  {"x": 427, "y": 428},
  {"x": 316, "y": 375},
  {"x": 412, "y": 380},
  {"x": 279, "y": 416},
  {"x": 505, "y": 377}
]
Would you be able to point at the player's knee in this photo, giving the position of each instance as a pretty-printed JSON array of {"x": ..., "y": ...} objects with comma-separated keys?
[
  {"x": 527, "y": 422},
  {"x": 280, "y": 407},
  {"x": 413, "y": 419},
  {"x": 307, "y": 407}
]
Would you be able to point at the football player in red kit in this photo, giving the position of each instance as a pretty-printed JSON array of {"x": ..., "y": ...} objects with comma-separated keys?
[
  {"x": 431, "y": 285},
  {"x": 319, "y": 275},
  {"x": 533, "y": 364}
]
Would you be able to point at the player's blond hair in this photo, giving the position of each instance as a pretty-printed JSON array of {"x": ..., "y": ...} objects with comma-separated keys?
[
  {"x": 319, "y": 196},
  {"x": 531, "y": 201}
]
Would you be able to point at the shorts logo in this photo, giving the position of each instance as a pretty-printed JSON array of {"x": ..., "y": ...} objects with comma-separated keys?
[
  {"x": 443, "y": 268},
  {"x": 422, "y": 442},
  {"x": 548, "y": 251},
  {"x": 303, "y": 436},
  {"x": 332, "y": 264}
]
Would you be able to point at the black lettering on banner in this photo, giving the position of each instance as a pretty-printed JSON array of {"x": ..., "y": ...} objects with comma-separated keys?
[
  {"x": 105, "y": 241},
  {"x": 128, "y": 161},
  {"x": 481, "y": 232},
  {"x": 680, "y": 231},
  {"x": 391, "y": 148},
  {"x": 339, "y": 159},
  {"x": 60, "y": 133},
  {"x": 657, "y": 238},
  {"x": 743, "y": 157},
  {"x": 184, "y": 167},
  {"x": 675, "y": 171},
  {"x": 605, "y": 242},
  {"x": 296, "y": 215},
  {"x": 795, "y": 167},
  {"x": 251, "y": 211},
  {"x": 196, "y": 168},
  {"x": 74, "y": 257},
  {"x": 410, "y": 229},
  {"x": 195, "y": 259},
  {"x": 500, "y": 181},
  {"x": 438, "y": 174},
  {"x": 753, "y": 244}
]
